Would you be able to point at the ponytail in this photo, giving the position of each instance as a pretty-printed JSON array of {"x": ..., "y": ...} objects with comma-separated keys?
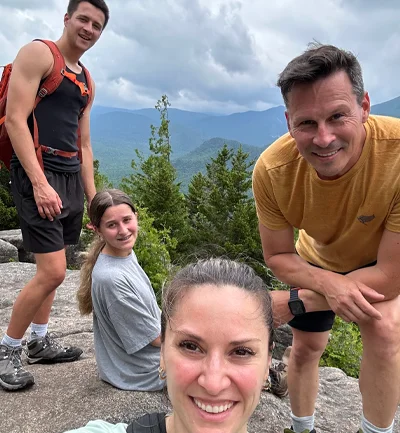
[{"x": 84, "y": 293}]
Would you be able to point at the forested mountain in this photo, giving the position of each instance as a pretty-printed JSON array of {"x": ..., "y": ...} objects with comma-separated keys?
[
  {"x": 117, "y": 132},
  {"x": 195, "y": 161}
]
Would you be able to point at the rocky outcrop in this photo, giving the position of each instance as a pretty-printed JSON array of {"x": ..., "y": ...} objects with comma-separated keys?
[
  {"x": 66, "y": 396},
  {"x": 12, "y": 249}
]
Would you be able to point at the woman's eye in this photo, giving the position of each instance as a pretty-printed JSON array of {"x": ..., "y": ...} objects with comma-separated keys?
[
  {"x": 189, "y": 346},
  {"x": 244, "y": 351},
  {"x": 337, "y": 116}
]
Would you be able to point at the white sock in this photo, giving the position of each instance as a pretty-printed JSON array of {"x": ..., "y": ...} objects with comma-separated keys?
[
  {"x": 301, "y": 423},
  {"x": 367, "y": 427},
  {"x": 11, "y": 342},
  {"x": 38, "y": 330}
]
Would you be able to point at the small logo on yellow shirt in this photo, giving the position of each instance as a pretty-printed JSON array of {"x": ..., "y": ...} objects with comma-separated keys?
[{"x": 364, "y": 219}]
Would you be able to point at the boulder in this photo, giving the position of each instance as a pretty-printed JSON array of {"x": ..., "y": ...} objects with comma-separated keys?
[
  {"x": 74, "y": 253},
  {"x": 67, "y": 396},
  {"x": 283, "y": 339},
  {"x": 8, "y": 253}
]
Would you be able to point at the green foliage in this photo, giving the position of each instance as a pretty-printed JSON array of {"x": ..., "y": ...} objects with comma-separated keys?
[
  {"x": 153, "y": 184},
  {"x": 222, "y": 215},
  {"x": 152, "y": 250},
  {"x": 8, "y": 212},
  {"x": 100, "y": 180},
  {"x": 344, "y": 349}
]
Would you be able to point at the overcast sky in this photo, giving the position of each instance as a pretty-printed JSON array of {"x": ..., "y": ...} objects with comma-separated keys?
[{"x": 214, "y": 55}]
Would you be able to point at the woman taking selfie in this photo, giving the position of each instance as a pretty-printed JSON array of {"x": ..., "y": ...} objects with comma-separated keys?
[{"x": 216, "y": 341}]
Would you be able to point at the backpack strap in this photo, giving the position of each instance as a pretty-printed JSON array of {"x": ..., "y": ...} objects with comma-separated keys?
[
  {"x": 50, "y": 85},
  {"x": 149, "y": 423},
  {"x": 89, "y": 95}
]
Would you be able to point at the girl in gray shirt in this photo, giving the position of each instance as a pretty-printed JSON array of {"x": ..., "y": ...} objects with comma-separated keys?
[{"x": 126, "y": 317}]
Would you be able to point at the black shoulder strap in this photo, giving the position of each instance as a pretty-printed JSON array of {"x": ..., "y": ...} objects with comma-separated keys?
[{"x": 149, "y": 423}]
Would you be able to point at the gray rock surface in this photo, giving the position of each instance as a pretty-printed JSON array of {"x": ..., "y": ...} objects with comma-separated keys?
[
  {"x": 14, "y": 243},
  {"x": 66, "y": 396},
  {"x": 8, "y": 253}
]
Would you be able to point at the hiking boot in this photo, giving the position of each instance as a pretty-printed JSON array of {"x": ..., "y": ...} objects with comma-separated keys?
[
  {"x": 12, "y": 375},
  {"x": 45, "y": 350},
  {"x": 288, "y": 430}
]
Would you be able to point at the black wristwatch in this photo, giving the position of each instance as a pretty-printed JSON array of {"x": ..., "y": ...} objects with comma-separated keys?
[{"x": 296, "y": 305}]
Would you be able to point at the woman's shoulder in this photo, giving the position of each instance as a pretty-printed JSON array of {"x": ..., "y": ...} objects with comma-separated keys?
[
  {"x": 151, "y": 422},
  {"x": 99, "y": 426}
]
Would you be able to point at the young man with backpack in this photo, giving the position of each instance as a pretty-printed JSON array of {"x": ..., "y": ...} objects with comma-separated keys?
[{"x": 51, "y": 171}]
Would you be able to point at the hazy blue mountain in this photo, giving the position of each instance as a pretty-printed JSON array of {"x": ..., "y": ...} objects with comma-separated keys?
[
  {"x": 195, "y": 161},
  {"x": 388, "y": 108},
  {"x": 257, "y": 128},
  {"x": 174, "y": 115},
  {"x": 116, "y": 133}
]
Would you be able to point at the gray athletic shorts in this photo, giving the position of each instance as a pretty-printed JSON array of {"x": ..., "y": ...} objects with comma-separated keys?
[{"x": 41, "y": 235}]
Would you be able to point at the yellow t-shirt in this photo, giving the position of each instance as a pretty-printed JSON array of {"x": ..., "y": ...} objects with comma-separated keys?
[{"x": 341, "y": 221}]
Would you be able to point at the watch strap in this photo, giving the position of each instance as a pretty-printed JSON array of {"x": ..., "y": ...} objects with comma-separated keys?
[{"x": 294, "y": 293}]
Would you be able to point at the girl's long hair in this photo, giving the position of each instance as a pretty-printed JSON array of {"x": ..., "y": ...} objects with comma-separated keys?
[{"x": 100, "y": 203}]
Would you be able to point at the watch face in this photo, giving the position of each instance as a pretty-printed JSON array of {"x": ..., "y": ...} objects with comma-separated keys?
[{"x": 296, "y": 307}]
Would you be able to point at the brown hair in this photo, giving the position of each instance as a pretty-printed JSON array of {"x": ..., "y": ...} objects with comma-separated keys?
[
  {"x": 320, "y": 61},
  {"x": 99, "y": 4},
  {"x": 100, "y": 203},
  {"x": 222, "y": 272},
  {"x": 218, "y": 272}
]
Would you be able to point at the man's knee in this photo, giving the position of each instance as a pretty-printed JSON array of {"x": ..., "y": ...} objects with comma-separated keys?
[
  {"x": 382, "y": 337},
  {"x": 308, "y": 346},
  {"x": 51, "y": 269}
]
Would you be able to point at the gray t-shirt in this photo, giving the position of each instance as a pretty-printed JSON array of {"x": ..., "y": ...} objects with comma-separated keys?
[{"x": 126, "y": 318}]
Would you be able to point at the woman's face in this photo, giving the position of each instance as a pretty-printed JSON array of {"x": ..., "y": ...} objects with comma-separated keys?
[{"x": 216, "y": 358}]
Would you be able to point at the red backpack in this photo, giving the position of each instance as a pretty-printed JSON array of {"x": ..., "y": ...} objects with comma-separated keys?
[{"x": 49, "y": 86}]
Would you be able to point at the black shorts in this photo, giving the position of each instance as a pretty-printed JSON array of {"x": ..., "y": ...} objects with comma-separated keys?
[
  {"x": 317, "y": 321},
  {"x": 41, "y": 235}
]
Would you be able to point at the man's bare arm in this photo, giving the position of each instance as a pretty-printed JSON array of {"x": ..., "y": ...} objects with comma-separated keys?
[
  {"x": 87, "y": 171},
  {"x": 350, "y": 299},
  {"x": 313, "y": 301},
  {"x": 33, "y": 62},
  {"x": 156, "y": 342},
  {"x": 384, "y": 277}
]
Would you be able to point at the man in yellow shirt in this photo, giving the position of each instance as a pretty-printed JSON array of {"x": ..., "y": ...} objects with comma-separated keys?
[{"x": 336, "y": 177}]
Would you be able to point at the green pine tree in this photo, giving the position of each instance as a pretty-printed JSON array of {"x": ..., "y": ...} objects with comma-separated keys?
[
  {"x": 153, "y": 184},
  {"x": 222, "y": 215},
  {"x": 8, "y": 212}
]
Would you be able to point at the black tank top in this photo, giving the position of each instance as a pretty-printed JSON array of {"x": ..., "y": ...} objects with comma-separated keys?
[{"x": 57, "y": 116}]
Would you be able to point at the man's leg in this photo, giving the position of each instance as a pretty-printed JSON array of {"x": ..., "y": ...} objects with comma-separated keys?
[
  {"x": 39, "y": 291},
  {"x": 50, "y": 272},
  {"x": 303, "y": 375},
  {"x": 43, "y": 315},
  {"x": 380, "y": 366}
]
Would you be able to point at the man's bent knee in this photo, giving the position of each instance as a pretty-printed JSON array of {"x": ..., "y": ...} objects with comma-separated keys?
[
  {"x": 308, "y": 346},
  {"x": 383, "y": 336}
]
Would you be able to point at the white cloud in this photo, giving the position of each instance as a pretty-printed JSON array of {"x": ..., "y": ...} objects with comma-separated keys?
[{"x": 214, "y": 55}]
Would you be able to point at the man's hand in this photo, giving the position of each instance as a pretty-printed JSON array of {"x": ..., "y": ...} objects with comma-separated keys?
[
  {"x": 89, "y": 225},
  {"x": 47, "y": 201},
  {"x": 351, "y": 299}
]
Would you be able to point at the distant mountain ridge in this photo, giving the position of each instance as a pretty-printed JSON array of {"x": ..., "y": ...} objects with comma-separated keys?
[
  {"x": 117, "y": 132},
  {"x": 195, "y": 161}
]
